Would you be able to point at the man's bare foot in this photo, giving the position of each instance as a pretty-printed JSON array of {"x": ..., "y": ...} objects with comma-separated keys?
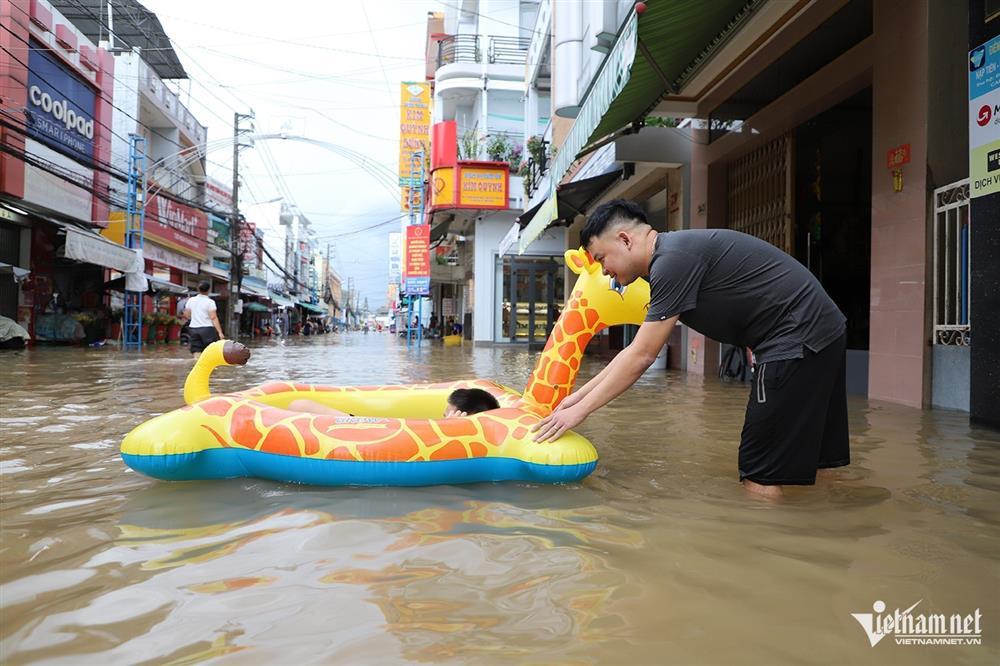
[{"x": 772, "y": 492}]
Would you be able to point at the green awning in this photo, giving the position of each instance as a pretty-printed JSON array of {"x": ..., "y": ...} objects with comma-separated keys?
[
  {"x": 653, "y": 54},
  {"x": 309, "y": 307},
  {"x": 678, "y": 36},
  {"x": 256, "y": 307}
]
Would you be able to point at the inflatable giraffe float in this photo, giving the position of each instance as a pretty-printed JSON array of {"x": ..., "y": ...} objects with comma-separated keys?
[
  {"x": 401, "y": 438},
  {"x": 593, "y": 305}
]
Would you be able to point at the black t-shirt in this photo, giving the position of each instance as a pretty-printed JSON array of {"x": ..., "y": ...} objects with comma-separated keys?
[{"x": 740, "y": 290}]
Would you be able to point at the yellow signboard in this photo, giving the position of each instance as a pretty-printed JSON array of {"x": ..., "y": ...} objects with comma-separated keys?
[
  {"x": 483, "y": 187},
  {"x": 115, "y": 231},
  {"x": 414, "y": 125},
  {"x": 443, "y": 187}
]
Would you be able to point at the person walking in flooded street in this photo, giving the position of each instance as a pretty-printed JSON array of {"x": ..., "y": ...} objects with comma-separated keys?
[
  {"x": 204, "y": 327},
  {"x": 739, "y": 290}
]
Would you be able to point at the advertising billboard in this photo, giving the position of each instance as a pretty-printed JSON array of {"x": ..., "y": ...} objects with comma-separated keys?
[
  {"x": 418, "y": 260},
  {"x": 414, "y": 125},
  {"x": 984, "y": 119},
  {"x": 176, "y": 226},
  {"x": 60, "y": 105}
]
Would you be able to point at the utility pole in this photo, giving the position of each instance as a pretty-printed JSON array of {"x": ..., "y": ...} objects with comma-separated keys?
[{"x": 235, "y": 255}]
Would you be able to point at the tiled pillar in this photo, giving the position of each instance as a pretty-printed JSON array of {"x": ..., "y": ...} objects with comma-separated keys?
[
  {"x": 708, "y": 184},
  {"x": 13, "y": 91},
  {"x": 899, "y": 349},
  {"x": 102, "y": 140}
]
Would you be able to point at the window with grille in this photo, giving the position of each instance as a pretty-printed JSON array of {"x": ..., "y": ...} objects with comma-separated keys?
[
  {"x": 760, "y": 193},
  {"x": 951, "y": 264}
]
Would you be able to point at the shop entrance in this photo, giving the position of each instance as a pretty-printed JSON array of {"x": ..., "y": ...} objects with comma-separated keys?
[
  {"x": 532, "y": 295},
  {"x": 833, "y": 203}
]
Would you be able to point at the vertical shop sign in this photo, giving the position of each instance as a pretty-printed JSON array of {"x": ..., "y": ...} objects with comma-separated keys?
[
  {"x": 418, "y": 260},
  {"x": 984, "y": 118}
]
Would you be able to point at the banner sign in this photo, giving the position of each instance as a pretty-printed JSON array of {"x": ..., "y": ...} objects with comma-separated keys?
[
  {"x": 483, "y": 187},
  {"x": 414, "y": 125},
  {"x": 477, "y": 185},
  {"x": 176, "y": 226},
  {"x": 984, "y": 119},
  {"x": 395, "y": 258},
  {"x": 60, "y": 104},
  {"x": 418, "y": 260},
  {"x": 161, "y": 255}
]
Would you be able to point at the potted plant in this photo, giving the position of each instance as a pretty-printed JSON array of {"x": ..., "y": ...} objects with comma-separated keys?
[
  {"x": 162, "y": 320},
  {"x": 86, "y": 321},
  {"x": 515, "y": 156},
  {"x": 173, "y": 329},
  {"x": 536, "y": 148},
  {"x": 149, "y": 326},
  {"x": 468, "y": 147},
  {"x": 525, "y": 172},
  {"x": 499, "y": 147},
  {"x": 115, "y": 321}
]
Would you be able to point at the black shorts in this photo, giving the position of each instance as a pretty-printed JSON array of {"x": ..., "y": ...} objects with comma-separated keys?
[
  {"x": 202, "y": 337},
  {"x": 796, "y": 419}
]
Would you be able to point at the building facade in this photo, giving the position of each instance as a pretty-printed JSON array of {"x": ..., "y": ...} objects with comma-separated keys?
[
  {"x": 56, "y": 181},
  {"x": 477, "y": 61},
  {"x": 836, "y": 130}
]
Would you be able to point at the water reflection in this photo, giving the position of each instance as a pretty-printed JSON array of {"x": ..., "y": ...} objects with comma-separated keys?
[{"x": 658, "y": 556}]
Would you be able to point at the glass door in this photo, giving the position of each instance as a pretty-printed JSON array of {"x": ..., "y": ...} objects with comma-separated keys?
[{"x": 533, "y": 294}]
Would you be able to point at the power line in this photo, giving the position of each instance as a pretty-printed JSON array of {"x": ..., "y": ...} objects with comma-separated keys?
[
  {"x": 28, "y": 47},
  {"x": 378, "y": 57},
  {"x": 287, "y": 41}
]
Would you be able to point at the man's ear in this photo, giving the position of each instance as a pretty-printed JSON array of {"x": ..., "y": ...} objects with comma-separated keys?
[{"x": 625, "y": 237}]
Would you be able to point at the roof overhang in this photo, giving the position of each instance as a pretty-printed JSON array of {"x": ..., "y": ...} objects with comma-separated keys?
[{"x": 134, "y": 27}]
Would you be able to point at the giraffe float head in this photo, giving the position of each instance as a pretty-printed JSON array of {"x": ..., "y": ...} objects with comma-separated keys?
[{"x": 595, "y": 303}]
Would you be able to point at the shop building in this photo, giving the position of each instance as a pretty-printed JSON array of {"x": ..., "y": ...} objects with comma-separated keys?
[
  {"x": 477, "y": 58},
  {"x": 836, "y": 130},
  {"x": 56, "y": 181},
  {"x": 148, "y": 104}
]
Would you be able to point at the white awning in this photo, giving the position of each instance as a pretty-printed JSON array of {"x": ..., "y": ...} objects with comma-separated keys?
[
  {"x": 18, "y": 272},
  {"x": 253, "y": 290},
  {"x": 94, "y": 249},
  {"x": 208, "y": 269}
]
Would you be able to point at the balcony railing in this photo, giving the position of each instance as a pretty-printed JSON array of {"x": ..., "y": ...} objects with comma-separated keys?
[{"x": 468, "y": 48}]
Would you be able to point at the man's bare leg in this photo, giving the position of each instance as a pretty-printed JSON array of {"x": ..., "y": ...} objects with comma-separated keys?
[{"x": 773, "y": 492}]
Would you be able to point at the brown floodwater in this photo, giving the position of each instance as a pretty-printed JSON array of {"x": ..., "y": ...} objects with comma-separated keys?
[{"x": 658, "y": 557}]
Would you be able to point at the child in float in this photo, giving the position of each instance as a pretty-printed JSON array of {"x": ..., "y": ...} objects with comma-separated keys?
[{"x": 461, "y": 402}]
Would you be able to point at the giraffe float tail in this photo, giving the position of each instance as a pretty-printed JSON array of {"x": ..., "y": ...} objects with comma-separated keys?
[{"x": 220, "y": 352}]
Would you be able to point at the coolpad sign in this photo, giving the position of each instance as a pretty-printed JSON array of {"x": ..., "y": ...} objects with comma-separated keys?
[
  {"x": 909, "y": 628},
  {"x": 61, "y": 105}
]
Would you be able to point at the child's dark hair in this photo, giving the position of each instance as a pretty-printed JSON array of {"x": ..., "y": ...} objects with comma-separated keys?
[{"x": 473, "y": 401}]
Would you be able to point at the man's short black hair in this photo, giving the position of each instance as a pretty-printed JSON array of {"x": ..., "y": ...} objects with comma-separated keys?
[
  {"x": 617, "y": 210},
  {"x": 473, "y": 401},
  {"x": 204, "y": 286}
]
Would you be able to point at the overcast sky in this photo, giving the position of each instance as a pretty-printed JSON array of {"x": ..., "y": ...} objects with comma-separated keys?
[{"x": 327, "y": 70}]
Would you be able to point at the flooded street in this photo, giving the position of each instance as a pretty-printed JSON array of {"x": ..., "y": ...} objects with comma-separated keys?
[{"x": 658, "y": 557}]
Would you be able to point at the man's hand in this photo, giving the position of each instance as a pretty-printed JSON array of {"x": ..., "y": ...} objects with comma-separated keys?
[
  {"x": 569, "y": 401},
  {"x": 555, "y": 424}
]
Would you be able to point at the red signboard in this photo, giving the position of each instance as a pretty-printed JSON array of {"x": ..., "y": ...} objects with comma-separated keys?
[
  {"x": 898, "y": 156},
  {"x": 417, "y": 259},
  {"x": 176, "y": 226}
]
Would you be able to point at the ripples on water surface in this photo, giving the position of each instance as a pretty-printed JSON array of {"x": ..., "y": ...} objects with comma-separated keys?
[{"x": 657, "y": 557}]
